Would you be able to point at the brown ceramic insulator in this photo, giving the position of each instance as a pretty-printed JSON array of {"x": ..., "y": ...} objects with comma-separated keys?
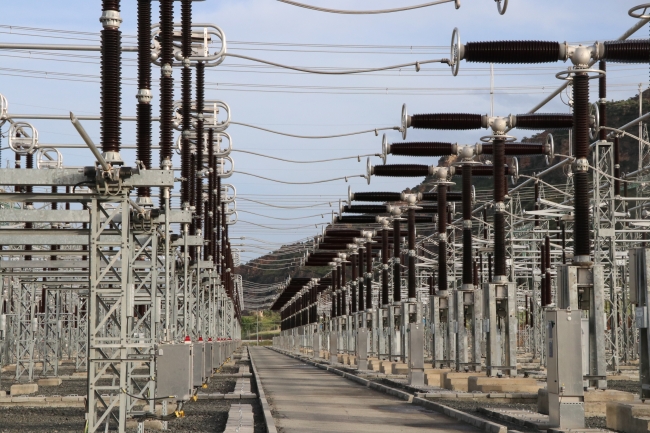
[
  {"x": 617, "y": 166},
  {"x": 397, "y": 295},
  {"x": 143, "y": 145},
  {"x": 361, "y": 279},
  {"x": 166, "y": 83},
  {"x": 186, "y": 27},
  {"x": 384, "y": 272},
  {"x": 111, "y": 91},
  {"x": 482, "y": 170},
  {"x": 377, "y": 196},
  {"x": 446, "y": 121},
  {"x": 581, "y": 115},
  {"x": 544, "y": 121},
  {"x": 602, "y": 94},
  {"x": 356, "y": 219},
  {"x": 536, "y": 203},
  {"x": 512, "y": 52},
  {"x": 411, "y": 282},
  {"x": 513, "y": 149},
  {"x": 442, "y": 229},
  {"x": 401, "y": 170},
  {"x": 499, "y": 171},
  {"x": 343, "y": 233},
  {"x": 451, "y": 196},
  {"x": 499, "y": 244},
  {"x": 421, "y": 149},
  {"x": 629, "y": 51},
  {"x": 365, "y": 208},
  {"x": 582, "y": 226},
  {"x": 353, "y": 290}
]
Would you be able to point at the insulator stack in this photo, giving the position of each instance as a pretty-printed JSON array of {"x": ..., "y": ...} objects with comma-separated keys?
[
  {"x": 208, "y": 233},
  {"x": 200, "y": 144},
  {"x": 397, "y": 294},
  {"x": 630, "y": 51},
  {"x": 512, "y": 52},
  {"x": 442, "y": 237},
  {"x": 602, "y": 95},
  {"x": 353, "y": 286},
  {"x": 166, "y": 82},
  {"x": 368, "y": 275},
  {"x": 582, "y": 226},
  {"x": 401, "y": 170},
  {"x": 548, "y": 279},
  {"x": 427, "y": 208},
  {"x": 361, "y": 282},
  {"x": 111, "y": 79},
  {"x": 499, "y": 217},
  {"x": 617, "y": 166},
  {"x": 412, "y": 255},
  {"x": 451, "y": 196},
  {"x": 384, "y": 271},
  {"x": 143, "y": 140},
  {"x": 536, "y": 202},
  {"x": 186, "y": 97},
  {"x": 367, "y": 208},
  {"x": 544, "y": 121},
  {"x": 377, "y": 196},
  {"x": 446, "y": 121},
  {"x": 482, "y": 170},
  {"x": 467, "y": 225},
  {"x": 421, "y": 149},
  {"x": 343, "y": 233},
  {"x": 513, "y": 149},
  {"x": 356, "y": 219}
]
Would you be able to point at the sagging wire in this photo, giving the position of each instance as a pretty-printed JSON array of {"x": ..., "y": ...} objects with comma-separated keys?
[
  {"x": 367, "y": 12},
  {"x": 283, "y": 219},
  {"x": 357, "y": 157},
  {"x": 347, "y": 134},
  {"x": 301, "y": 183},
  {"x": 340, "y": 72},
  {"x": 285, "y": 207},
  {"x": 277, "y": 228}
]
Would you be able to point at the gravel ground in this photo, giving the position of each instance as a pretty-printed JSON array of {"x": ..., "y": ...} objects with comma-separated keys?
[
  {"x": 632, "y": 386},
  {"x": 51, "y": 420},
  {"x": 472, "y": 408},
  {"x": 205, "y": 416}
]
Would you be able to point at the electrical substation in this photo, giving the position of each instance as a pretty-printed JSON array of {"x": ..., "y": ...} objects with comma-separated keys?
[{"x": 497, "y": 280}]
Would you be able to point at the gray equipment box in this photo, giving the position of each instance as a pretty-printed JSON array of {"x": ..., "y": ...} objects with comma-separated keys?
[
  {"x": 208, "y": 360},
  {"x": 564, "y": 363},
  {"x": 174, "y": 371},
  {"x": 199, "y": 364}
]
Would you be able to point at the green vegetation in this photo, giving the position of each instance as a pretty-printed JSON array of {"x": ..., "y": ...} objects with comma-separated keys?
[{"x": 269, "y": 325}]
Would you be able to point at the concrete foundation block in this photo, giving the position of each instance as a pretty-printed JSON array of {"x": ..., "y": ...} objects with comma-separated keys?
[
  {"x": 433, "y": 376},
  {"x": 456, "y": 381},
  {"x": 23, "y": 389},
  {"x": 374, "y": 364},
  {"x": 496, "y": 384},
  {"x": 596, "y": 400},
  {"x": 628, "y": 417},
  {"x": 399, "y": 368},
  {"x": 385, "y": 367},
  {"x": 3, "y": 394},
  {"x": 49, "y": 381},
  {"x": 542, "y": 401}
]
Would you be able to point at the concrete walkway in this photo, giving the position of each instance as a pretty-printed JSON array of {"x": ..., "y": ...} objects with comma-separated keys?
[{"x": 306, "y": 399}]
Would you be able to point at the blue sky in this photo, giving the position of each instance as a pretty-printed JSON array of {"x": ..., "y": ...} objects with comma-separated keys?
[{"x": 313, "y": 104}]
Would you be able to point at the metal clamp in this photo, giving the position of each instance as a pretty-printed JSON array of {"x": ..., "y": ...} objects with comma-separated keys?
[
  {"x": 20, "y": 140},
  {"x": 49, "y": 157}
]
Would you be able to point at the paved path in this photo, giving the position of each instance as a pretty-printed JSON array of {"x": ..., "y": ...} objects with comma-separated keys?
[{"x": 306, "y": 399}]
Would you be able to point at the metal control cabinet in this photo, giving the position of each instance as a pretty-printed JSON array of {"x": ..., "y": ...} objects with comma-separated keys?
[
  {"x": 362, "y": 349},
  {"x": 198, "y": 376},
  {"x": 207, "y": 364},
  {"x": 415, "y": 333},
  {"x": 564, "y": 363},
  {"x": 639, "y": 294},
  {"x": 174, "y": 371}
]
